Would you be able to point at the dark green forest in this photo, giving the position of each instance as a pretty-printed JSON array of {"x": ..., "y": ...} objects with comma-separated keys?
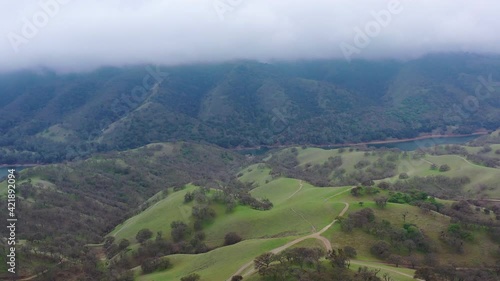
[{"x": 49, "y": 117}]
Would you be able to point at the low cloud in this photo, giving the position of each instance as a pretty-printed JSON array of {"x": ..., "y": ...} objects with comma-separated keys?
[{"x": 73, "y": 35}]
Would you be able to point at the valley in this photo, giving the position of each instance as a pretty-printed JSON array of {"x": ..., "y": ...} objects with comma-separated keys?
[
  {"x": 232, "y": 140},
  {"x": 347, "y": 181},
  {"x": 246, "y": 168}
]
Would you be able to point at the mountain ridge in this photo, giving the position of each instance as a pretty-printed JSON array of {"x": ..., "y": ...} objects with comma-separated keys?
[{"x": 244, "y": 104}]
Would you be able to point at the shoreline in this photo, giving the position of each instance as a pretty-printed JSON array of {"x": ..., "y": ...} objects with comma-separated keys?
[
  {"x": 387, "y": 141},
  {"x": 424, "y": 137},
  {"x": 19, "y": 165}
]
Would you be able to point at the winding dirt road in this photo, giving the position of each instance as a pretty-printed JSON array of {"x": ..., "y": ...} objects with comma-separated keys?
[
  {"x": 248, "y": 269},
  {"x": 298, "y": 190}
]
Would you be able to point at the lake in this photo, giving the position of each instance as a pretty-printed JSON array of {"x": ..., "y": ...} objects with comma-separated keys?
[
  {"x": 5, "y": 170},
  {"x": 403, "y": 145},
  {"x": 416, "y": 144}
]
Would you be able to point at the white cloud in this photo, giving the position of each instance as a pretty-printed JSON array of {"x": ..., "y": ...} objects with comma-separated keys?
[{"x": 82, "y": 34}]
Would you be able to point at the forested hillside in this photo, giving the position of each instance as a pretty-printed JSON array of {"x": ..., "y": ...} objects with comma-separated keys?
[
  {"x": 65, "y": 206},
  {"x": 49, "y": 117}
]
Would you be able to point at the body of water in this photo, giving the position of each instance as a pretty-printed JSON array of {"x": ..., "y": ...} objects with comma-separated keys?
[
  {"x": 416, "y": 144},
  {"x": 4, "y": 171},
  {"x": 403, "y": 145}
]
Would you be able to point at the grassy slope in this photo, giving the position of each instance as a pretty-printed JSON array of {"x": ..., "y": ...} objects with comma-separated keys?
[
  {"x": 476, "y": 252},
  {"x": 290, "y": 216},
  {"x": 218, "y": 264},
  {"x": 157, "y": 217},
  {"x": 421, "y": 167},
  {"x": 477, "y": 174},
  {"x": 297, "y": 210}
]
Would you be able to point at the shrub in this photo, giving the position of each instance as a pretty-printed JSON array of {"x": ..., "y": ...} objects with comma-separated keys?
[
  {"x": 124, "y": 243},
  {"x": 154, "y": 264},
  {"x": 188, "y": 197},
  {"x": 350, "y": 252},
  {"x": 191, "y": 277},
  {"x": 444, "y": 168},
  {"x": 143, "y": 235},
  {"x": 384, "y": 185},
  {"x": 231, "y": 238},
  {"x": 381, "y": 249},
  {"x": 179, "y": 230}
]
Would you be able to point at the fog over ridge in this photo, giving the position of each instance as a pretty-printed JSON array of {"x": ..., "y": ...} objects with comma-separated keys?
[{"x": 79, "y": 35}]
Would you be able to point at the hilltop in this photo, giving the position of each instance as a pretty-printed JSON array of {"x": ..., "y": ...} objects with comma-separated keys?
[{"x": 301, "y": 211}]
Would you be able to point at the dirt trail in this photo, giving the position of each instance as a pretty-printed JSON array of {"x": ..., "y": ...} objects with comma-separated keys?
[
  {"x": 299, "y": 214},
  {"x": 337, "y": 194},
  {"x": 39, "y": 274},
  {"x": 298, "y": 190},
  {"x": 467, "y": 161},
  {"x": 247, "y": 269},
  {"x": 487, "y": 200},
  {"x": 428, "y": 161},
  {"x": 386, "y": 269}
]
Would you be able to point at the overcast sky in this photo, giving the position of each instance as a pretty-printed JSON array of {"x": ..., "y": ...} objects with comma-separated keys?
[{"x": 83, "y": 34}]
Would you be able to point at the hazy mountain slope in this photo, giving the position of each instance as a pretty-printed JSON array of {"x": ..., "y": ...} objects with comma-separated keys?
[{"x": 49, "y": 117}]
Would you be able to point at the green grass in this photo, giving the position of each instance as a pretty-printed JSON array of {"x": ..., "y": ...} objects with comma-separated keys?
[
  {"x": 394, "y": 272},
  {"x": 257, "y": 173},
  {"x": 217, "y": 265},
  {"x": 300, "y": 211},
  {"x": 371, "y": 265},
  {"x": 36, "y": 181},
  {"x": 477, "y": 174},
  {"x": 157, "y": 217},
  {"x": 309, "y": 243},
  {"x": 418, "y": 167},
  {"x": 304, "y": 212},
  {"x": 476, "y": 252},
  {"x": 301, "y": 214}
]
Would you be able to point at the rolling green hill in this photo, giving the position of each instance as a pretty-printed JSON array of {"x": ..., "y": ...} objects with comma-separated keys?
[
  {"x": 301, "y": 209},
  {"x": 62, "y": 207},
  {"x": 161, "y": 186}
]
